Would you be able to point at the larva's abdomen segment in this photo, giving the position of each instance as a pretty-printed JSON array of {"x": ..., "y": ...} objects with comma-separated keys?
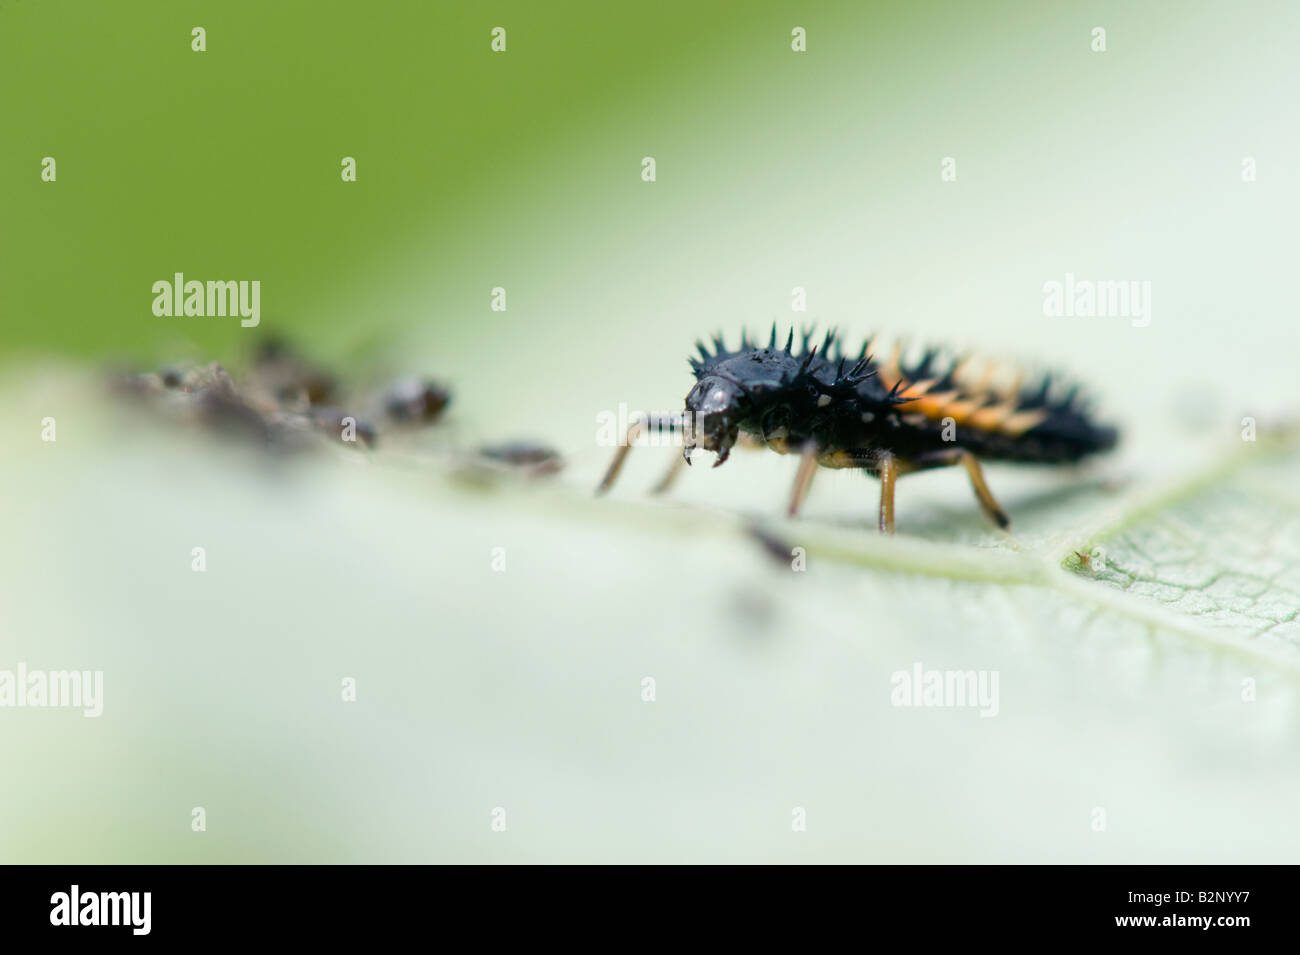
[
  {"x": 1060, "y": 439},
  {"x": 1041, "y": 424}
]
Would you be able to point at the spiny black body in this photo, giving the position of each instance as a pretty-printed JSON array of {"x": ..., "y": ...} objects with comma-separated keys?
[
  {"x": 888, "y": 417},
  {"x": 848, "y": 410}
]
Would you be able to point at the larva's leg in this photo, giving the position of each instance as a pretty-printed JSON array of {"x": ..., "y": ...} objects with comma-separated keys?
[
  {"x": 802, "y": 480},
  {"x": 670, "y": 476},
  {"x": 658, "y": 424},
  {"x": 634, "y": 430},
  {"x": 677, "y": 423},
  {"x": 988, "y": 504},
  {"x": 887, "y": 467}
]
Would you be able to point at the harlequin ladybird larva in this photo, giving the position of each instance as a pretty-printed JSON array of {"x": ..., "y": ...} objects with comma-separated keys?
[{"x": 887, "y": 417}]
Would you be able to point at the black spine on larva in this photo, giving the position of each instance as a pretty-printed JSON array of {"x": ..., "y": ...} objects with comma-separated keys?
[
  {"x": 1069, "y": 431},
  {"x": 810, "y": 393}
]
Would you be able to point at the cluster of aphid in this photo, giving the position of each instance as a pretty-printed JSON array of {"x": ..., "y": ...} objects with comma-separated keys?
[
  {"x": 285, "y": 403},
  {"x": 888, "y": 416}
]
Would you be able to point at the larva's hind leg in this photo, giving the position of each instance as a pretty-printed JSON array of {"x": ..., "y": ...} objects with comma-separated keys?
[
  {"x": 949, "y": 457},
  {"x": 988, "y": 504}
]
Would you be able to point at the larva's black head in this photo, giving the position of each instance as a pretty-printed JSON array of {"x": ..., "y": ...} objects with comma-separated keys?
[
  {"x": 751, "y": 389},
  {"x": 714, "y": 410}
]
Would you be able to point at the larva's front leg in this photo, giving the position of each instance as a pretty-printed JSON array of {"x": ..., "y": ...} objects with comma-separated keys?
[
  {"x": 670, "y": 476},
  {"x": 636, "y": 427},
  {"x": 887, "y": 467},
  {"x": 803, "y": 479}
]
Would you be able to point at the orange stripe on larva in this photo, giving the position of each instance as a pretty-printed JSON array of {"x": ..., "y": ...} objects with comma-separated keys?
[
  {"x": 959, "y": 411},
  {"x": 932, "y": 406},
  {"x": 1022, "y": 421},
  {"x": 917, "y": 389},
  {"x": 988, "y": 419}
]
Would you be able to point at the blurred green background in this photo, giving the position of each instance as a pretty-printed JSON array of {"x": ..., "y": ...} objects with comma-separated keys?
[{"x": 775, "y": 170}]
